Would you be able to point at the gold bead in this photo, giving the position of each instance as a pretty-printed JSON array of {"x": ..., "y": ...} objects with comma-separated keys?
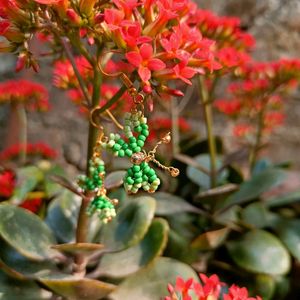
[
  {"x": 174, "y": 171},
  {"x": 138, "y": 158},
  {"x": 114, "y": 201},
  {"x": 167, "y": 138}
]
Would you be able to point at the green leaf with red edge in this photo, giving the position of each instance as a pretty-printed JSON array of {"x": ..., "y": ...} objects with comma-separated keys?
[
  {"x": 211, "y": 239},
  {"x": 114, "y": 179},
  {"x": 26, "y": 233},
  {"x": 71, "y": 287},
  {"x": 151, "y": 283},
  {"x": 259, "y": 251},
  {"x": 76, "y": 248},
  {"x": 130, "y": 225},
  {"x": 138, "y": 256}
]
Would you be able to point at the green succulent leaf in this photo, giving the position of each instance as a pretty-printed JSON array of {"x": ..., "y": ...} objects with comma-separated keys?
[
  {"x": 265, "y": 286},
  {"x": 62, "y": 215},
  {"x": 255, "y": 214},
  {"x": 289, "y": 232},
  {"x": 130, "y": 225},
  {"x": 27, "y": 180},
  {"x": 150, "y": 283},
  {"x": 211, "y": 239},
  {"x": 168, "y": 204},
  {"x": 138, "y": 256},
  {"x": 77, "y": 288},
  {"x": 114, "y": 179},
  {"x": 259, "y": 251},
  {"x": 12, "y": 289},
  {"x": 19, "y": 266},
  {"x": 283, "y": 200},
  {"x": 76, "y": 248},
  {"x": 26, "y": 233},
  {"x": 203, "y": 179},
  {"x": 253, "y": 188}
]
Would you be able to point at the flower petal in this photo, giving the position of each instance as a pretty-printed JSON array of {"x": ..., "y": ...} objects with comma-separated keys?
[
  {"x": 156, "y": 64},
  {"x": 134, "y": 58},
  {"x": 146, "y": 51},
  {"x": 144, "y": 73}
]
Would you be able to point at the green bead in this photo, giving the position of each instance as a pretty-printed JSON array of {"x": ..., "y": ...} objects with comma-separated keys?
[
  {"x": 138, "y": 180},
  {"x": 128, "y": 152},
  {"x": 144, "y": 126},
  {"x": 152, "y": 178},
  {"x": 146, "y": 169},
  {"x": 137, "y": 149},
  {"x": 129, "y": 180},
  {"x": 125, "y": 146},
  {"x": 130, "y": 172},
  {"x": 138, "y": 174},
  {"x": 140, "y": 143},
  {"x": 132, "y": 139},
  {"x": 145, "y": 132},
  {"x": 142, "y": 138},
  {"x": 121, "y": 153},
  {"x": 138, "y": 128},
  {"x": 151, "y": 172},
  {"x": 120, "y": 142},
  {"x": 145, "y": 178},
  {"x": 136, "y": 168},
  {"x": 117, "y": 147},
  {"x": 133, "y": 145}
]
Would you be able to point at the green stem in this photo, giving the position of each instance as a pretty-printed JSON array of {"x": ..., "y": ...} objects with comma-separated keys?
[
  {"x": 258, "y": 138},
  {"x": 22, "y": 132},
  {"x": 208, "y": 115}
]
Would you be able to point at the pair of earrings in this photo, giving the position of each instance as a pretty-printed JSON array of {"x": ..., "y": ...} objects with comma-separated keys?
[{"x": 140, "y": 175}]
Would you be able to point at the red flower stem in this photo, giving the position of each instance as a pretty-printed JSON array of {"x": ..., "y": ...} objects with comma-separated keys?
[
  {"x": 74, "y": 66},
  {"x": 21, "y": 112},
  {"x": 208, "y": 115},
  {"x": 258, "y": 137},
  {"x": 175, "y": 127}
]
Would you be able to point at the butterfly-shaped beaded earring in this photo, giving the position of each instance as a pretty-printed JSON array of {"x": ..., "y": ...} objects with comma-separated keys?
[{"x": 136, "y": 131}]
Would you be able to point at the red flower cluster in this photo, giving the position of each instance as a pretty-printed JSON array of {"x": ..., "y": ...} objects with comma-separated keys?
[
  {"x": 209, "y": 289},
  {"x": 7, "y": 183},
  {"x": 37, "y": 149},
  {"x": 160, "y": 126},
  {"x": 33, "y": 95},
  {"x": 257, "y": 91}
]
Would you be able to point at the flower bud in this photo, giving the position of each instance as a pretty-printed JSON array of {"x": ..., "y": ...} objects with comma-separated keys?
[
  {"x": 73, "y": 17},
  {"x": 86, "y": 7},
  {"x": 21, "y": 61}
]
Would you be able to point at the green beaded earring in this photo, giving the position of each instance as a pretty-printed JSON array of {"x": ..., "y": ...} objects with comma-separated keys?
[
  {"x": 93, "y": 185},
  {"x": 136, "y": 131}
]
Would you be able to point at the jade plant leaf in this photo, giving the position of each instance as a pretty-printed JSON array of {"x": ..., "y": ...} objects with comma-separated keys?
[
  {"x": 211, "y": 239},
  {"x": 75, "y": 248},
  {"x": 130, "y": 225},
  {"x": 27, "y": 179},
  {"x": 168, "y": 204},
  {"x": 255, "y": 214},
  {"x": 114, "y": 179},
  {"x": 26, "y": 233},
  {"x": 259, "y": 251},
  {"x": 282, "y": 200},
  {"x": 12, "y": 262},
  {"x": 265, "y": 286},
  {"x": 253, "y": 188},
  {"x": 150, "y": 283},
  {"x": 62, "y": 215},
  {"x": 77, "y": 288},
  {"x": 138, "y": 256},
  {"x": 289, "y": 232},
  {"x": 12, "y": 289},
  {"x": 202, "y": 179}
]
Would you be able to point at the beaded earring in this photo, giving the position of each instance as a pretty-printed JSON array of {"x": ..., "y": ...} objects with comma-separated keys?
[
  {"x": 93, "y": 184},
  {"x": 136, "y": 131}
]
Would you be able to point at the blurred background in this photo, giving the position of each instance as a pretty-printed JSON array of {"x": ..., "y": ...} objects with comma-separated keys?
[{"x": 275, "y": 25}]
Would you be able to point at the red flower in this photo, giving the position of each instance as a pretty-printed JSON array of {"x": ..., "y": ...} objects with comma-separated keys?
[
  {"x": 7, "y": 183},
  {"x": 144, "y": 61},
  {"x": 183, "y": 72},
  {"x": 32, "y": 94},
  {"x": 242, "y": 130},
  {"x": 37, "y": 149},
  {"x": 237, "y": 293},
  {"x": 229, "y": 107}
]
